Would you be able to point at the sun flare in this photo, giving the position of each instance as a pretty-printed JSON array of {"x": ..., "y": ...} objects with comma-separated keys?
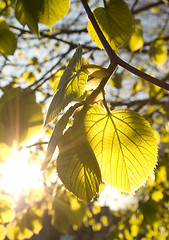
[{"x": 18, "y": 176}]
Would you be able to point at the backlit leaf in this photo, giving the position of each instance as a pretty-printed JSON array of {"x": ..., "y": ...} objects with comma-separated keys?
[
  {"x": 26, "y": 224},
  {"x": 20, "y": 116},
  {"x": 71, "y": 86},
  {"x": 67, "y": 211},
  {"x": 8, "y": 42},
  {"x": 47, "y": 12},
  {"x": 124, "y": 145},
  {"x": 115, "y": 21},
  {"x": 76, "y": 164},
  {"x": 56, "y": 135},
  {"x": 53, "y": 10}
]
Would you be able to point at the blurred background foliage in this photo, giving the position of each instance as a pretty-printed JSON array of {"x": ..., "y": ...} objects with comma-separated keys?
[{"x": 30, "y": 68}]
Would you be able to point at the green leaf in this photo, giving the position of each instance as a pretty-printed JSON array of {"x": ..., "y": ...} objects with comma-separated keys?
[
  {"x": 52, "y": 11},
  {"x": 116, "y": 80},
  {"x": 27, "y": 15},
  {"x": 136, "y": 39},
  {"x": 71, "y": 86},
  {"x": 20, "y": 116},
  {"x": 56, "y": 135},
  {"x": 158, "y": 52},
  {"x": 26, "y": 224},
  {"x": 76, "y": 164},
  {"x": 115, "y": 21},
  {"x": 40, "y": 11},
  {"x": 8, "y": 42},
  {"x": 67, "y": 211},
  {"x": 124, "y": 145}
]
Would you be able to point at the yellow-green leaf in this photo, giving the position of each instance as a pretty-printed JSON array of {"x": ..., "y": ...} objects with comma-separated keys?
[
  {"x": 8, "y": 42},
  {"x": 47, "y": 12},
  {"x": 20, "y": 116},
  {"x": 158, "y": 52},
  {"x": 124, "y": 145},
  {"x": 52, "y": 11},
  {"x": 115, "y": 21},
  {"x": 56, "y": 135},
  {"x": 136, "y": 39},
  {"x": 67, "y": 211},
  {"x": 71, "y": 86},
  {"x": 76, "y": 164},
  {"x": 26, "y": 224}
]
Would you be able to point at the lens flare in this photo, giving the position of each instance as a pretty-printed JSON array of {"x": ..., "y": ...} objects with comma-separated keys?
[{"x": 18, "y": 176}]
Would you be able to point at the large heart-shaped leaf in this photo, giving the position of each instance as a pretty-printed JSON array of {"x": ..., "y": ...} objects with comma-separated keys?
[
  {"x": 76, "y": 164},
  {"x": 115, "y": 21},
  {"x": 124, "y": 145}
]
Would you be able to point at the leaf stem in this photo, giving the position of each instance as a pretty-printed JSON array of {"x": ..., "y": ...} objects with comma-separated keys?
[{"x": 112, "y": 55}]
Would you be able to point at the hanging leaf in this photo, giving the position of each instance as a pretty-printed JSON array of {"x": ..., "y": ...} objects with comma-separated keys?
[
  {"x": 71, "y": 86},
  {"x": 76, "y": 164},
  {"x": 8, "y": 42},
  {"x": 20, "y": 116},
  {"x": 47, "y": 12},
  {"x": 26, "y": 224},
  {"x": 67, "y": 211},
  {"x": 124, "y": 145},
  {"x": 115, "y": 21}
]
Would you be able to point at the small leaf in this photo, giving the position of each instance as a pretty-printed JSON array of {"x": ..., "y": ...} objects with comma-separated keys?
[
  {"x": 67, "y": 211},
  {"x": 115, "y": 21},
  {"x": 27, "y": 15},
  {"x": 40, "y": 11},
  {"x": 116, "y": 80},
  {"x": 20, "y": 116},
  {"x": 136, "y": 39},
  {"x": 158, "y": 52},
  {"x": 8, "y": 42},
  {"x": 76, "y": 164},
  {"x": 71, "y": 86},
  {"x": 124, "y": 145},
  {"x": 96, "y": 77},
  {"x": 52, "y": 11},
  {"x": 26, "y": 224}
]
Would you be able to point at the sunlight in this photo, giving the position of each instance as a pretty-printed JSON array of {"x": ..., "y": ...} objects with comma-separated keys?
[{"x": 18, "y": 176}]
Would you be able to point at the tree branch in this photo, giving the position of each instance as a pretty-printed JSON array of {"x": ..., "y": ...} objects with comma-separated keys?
[
  {"x": 146, "y": 7},
  {"x": 112, "y": 55}
]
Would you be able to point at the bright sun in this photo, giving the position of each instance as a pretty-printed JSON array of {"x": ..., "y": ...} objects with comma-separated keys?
[{"x": 19, "y": 177}]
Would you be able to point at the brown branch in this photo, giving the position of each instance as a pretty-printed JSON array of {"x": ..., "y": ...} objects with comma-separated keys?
[
  {"x": 146, "y": 7},
  {"x": 112, "y": 55}
]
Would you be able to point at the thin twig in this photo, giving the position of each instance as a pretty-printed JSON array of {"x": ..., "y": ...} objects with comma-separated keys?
[{"x": 112, "y": 55}]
